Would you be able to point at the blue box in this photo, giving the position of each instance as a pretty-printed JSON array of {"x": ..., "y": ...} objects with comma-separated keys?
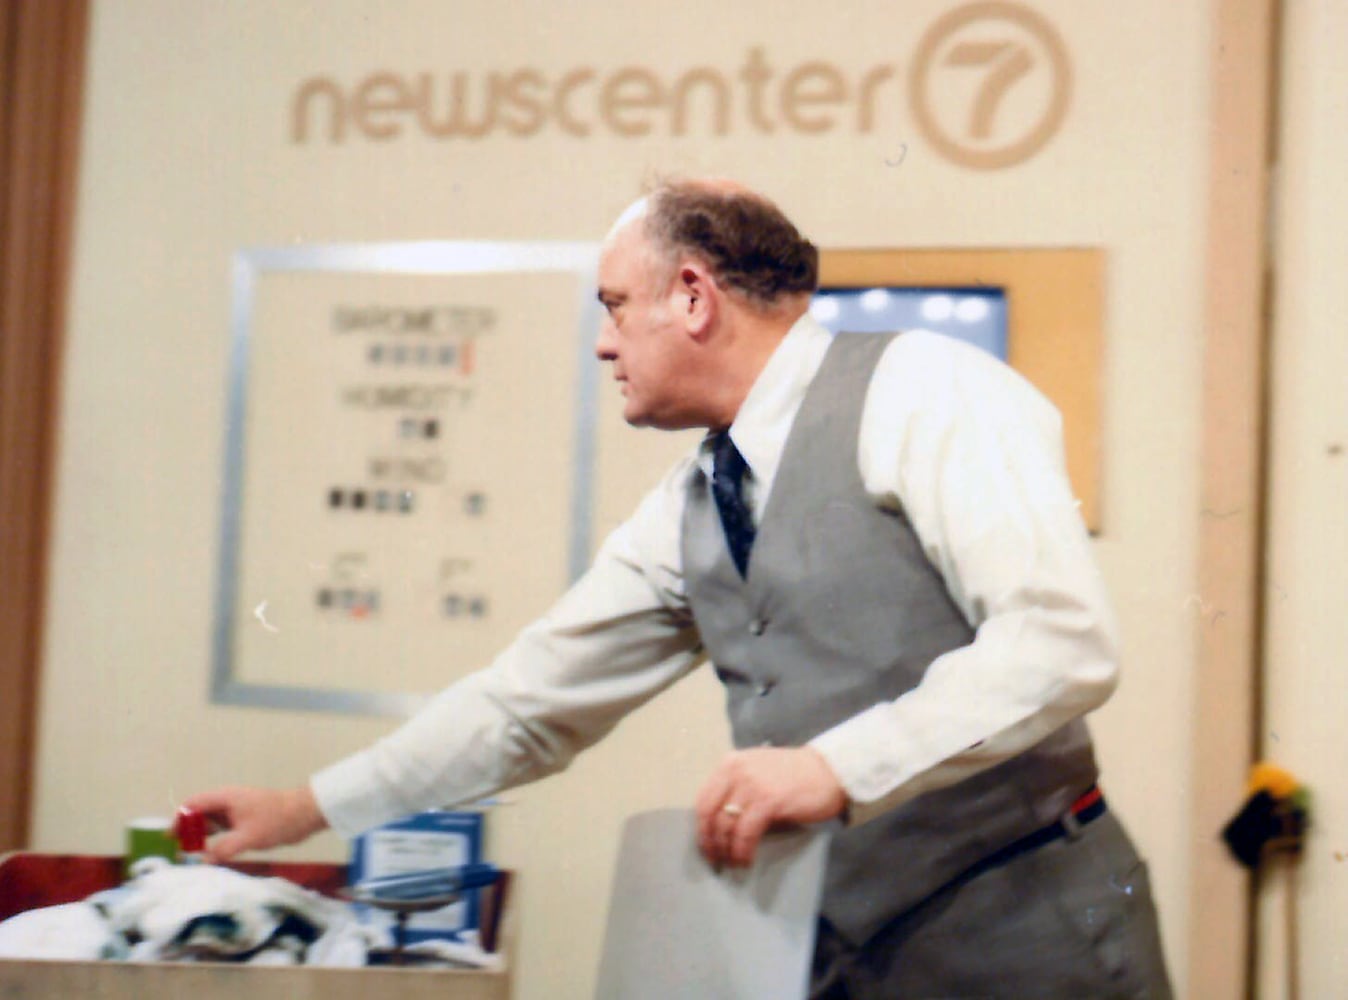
[{"x": 426, "y": 841}]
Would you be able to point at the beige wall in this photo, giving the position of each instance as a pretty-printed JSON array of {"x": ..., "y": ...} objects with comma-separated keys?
[
  {"x": 1306, "y": 580},
  {"x": 188, "y": 157}
]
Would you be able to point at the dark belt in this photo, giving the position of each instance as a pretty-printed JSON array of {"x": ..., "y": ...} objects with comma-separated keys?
[{"x": 1090, "y": 806}]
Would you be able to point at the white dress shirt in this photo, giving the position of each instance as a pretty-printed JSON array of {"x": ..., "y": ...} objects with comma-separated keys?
[{"x": 971, "y": 453}]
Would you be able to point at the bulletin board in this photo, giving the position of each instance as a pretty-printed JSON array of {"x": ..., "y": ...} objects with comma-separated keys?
[
  {"x": 1054, "y": 323},
  {"x": 380, "y": 533}
]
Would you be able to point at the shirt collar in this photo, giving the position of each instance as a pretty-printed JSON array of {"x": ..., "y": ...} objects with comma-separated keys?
[{"x": 765, "y": 417}]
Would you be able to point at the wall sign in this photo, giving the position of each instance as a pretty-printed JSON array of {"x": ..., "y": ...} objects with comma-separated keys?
[{"x": 988, "y": 86}]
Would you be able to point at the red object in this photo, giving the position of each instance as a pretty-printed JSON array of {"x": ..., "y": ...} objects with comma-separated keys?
[
  {"x": 1091, "y": 796},
  {"x": 190, "y": 829},
  {"x": 29, "y": 880}
]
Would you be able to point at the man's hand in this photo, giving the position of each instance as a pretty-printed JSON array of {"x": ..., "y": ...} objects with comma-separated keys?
[
  {"x": 751, "y": 790},
  {"x": 257, "y": 818}
]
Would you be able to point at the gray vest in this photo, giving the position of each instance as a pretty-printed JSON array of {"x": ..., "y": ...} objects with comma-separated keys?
[{"x": 841, "y": 610}]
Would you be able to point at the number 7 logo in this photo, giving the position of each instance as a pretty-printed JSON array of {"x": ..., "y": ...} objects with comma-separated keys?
[
  {"x": 1006, "y": 63},
  {"x": 1022, "y": 62}
]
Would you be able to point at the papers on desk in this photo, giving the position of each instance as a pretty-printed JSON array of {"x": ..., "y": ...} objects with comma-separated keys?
[{"x": 677, "y": 930}]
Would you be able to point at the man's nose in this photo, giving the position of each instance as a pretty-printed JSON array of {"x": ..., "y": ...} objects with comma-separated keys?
[{"x": 605, "y": 345}]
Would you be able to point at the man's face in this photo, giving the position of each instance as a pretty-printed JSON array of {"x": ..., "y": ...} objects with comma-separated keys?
[{"x": 642, "y": 334}]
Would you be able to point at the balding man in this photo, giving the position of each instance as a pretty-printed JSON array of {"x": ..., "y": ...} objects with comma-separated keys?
[{"x": 877, "y": 548}]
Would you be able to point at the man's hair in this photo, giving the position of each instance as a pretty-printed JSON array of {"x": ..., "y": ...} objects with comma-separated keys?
[{"x": 745, "y": 239}]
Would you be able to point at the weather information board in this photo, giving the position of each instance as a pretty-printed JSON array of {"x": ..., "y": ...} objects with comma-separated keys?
[{"x": 407, "y": 465}]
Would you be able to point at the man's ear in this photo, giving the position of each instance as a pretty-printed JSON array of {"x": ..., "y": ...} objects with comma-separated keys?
[{"x": 696, "y": 297}]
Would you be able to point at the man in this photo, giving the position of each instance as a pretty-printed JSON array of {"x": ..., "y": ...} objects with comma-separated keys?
[{"x": 877, "y": 548}]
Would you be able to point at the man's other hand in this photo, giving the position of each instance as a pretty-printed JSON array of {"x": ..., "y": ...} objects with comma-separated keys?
[
  {"x": 750, "y": 791},
  {"x": 257, "y": 818}
]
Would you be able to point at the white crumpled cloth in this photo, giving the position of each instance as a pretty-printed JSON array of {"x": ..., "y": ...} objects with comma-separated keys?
[
  {"x": 72, "y": 931},
  {"x": 182, "y": 912}
]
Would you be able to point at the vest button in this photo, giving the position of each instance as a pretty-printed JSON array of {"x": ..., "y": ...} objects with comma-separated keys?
[{"x": 757, "y": 626}]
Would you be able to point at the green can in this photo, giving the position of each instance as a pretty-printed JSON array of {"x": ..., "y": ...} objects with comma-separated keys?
[{"x": 150, "y": 837}]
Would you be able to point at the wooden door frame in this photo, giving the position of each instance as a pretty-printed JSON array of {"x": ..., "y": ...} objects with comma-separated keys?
[
  {"x": 1232, "y": 508},
  {"x": 41, "y": 88}
]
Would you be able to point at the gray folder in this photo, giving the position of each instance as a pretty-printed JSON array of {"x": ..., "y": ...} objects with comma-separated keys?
[{"x": 677, "y": 930}]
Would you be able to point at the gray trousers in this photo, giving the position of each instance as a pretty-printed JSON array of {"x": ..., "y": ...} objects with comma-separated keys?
[{"x": 1072, "y": 919}]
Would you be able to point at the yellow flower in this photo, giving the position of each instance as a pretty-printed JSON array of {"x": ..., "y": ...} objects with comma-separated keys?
[{"x": 1266, "y": 777}]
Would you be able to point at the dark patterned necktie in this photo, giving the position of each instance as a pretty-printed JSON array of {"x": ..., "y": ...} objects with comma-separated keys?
[{"x": 727, "y": 481}]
